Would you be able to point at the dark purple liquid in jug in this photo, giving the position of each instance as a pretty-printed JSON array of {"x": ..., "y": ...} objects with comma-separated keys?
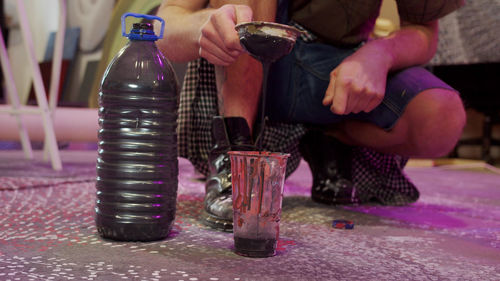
[{"x": 137, "y": 164}]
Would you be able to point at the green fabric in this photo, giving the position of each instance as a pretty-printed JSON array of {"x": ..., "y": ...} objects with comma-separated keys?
[
  {"x": 339, "y": 22},
  {"x": 348, "y": 22},
  {"x": 114, "y": 40}
]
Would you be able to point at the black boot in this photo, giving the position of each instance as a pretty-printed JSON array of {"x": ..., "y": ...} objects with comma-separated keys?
[
  {"x": 330, "y": 164},
  {"x": 230, "y": 133}
]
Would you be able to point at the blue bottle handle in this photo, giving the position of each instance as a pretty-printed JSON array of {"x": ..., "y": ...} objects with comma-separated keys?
[{"x": 148, "y": 17}]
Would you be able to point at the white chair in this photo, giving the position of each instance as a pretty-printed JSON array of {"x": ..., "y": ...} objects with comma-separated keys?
[{"x": 44, "y": 108}]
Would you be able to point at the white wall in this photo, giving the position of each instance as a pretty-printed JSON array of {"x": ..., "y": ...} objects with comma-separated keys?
[{"x": 43, "y": 19}]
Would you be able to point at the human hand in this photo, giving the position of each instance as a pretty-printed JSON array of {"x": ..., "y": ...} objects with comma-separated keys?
[
  {"x": 358, "y": 83},
  {"x": 219, "y": 42}
]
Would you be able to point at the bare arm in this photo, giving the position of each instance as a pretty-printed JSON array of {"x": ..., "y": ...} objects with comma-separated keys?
[
  {"x": 193, "y": 30},
  {"x": 411, "y": 45},
  {"x": 358, "y": 83},
  {"x": 183, "y": 21}
]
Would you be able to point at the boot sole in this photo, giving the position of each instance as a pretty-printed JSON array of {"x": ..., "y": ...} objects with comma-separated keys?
[{"x": 216, "y": 222}]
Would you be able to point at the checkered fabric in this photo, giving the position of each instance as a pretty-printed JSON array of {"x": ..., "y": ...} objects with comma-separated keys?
[
  {"x": 198, "y": 105},
  {"x": 377, "y": 177},
  {"x": 380, "y": 177}
]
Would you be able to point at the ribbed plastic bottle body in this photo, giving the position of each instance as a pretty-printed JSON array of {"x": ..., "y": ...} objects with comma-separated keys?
[{"x": 137, "y": 166}]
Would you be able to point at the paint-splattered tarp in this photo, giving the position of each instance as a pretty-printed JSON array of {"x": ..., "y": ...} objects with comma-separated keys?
[{"x": 452, "y": 233}]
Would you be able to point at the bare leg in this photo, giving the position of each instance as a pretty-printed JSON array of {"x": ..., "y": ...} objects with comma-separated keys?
[
  {"x": 239, "y": 94},
  {"x": 430, "y": 127},
  {"x": 241, "y": 85}
]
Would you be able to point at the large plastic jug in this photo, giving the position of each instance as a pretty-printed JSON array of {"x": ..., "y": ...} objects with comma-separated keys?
[{"x": 137, "y": 166}]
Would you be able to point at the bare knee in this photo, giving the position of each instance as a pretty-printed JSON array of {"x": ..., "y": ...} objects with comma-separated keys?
[{"x": 442, "y": 119}]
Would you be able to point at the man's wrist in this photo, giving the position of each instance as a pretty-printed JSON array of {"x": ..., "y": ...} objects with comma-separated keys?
[{"x": 383, "y": 50}]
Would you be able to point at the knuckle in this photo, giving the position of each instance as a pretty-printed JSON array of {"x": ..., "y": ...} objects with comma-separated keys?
[
  {"x": 370, "y": 93},
  {"x": 347, "y": 82},
  {"x": 202, "y": 41},
  {"x": 373, "y": 93},
  {"x": 232, "y": 44},
  {"x": 205, "y": 31},
  {"x": 214, "y": 17},
  {"x": 337, "y": 110},
  {"x": 379, "y": 96}
]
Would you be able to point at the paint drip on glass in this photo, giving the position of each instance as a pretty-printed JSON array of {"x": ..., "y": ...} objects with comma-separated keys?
[{"x": 257, "y": 192}]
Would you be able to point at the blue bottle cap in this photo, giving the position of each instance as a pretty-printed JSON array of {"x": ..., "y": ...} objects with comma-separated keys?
[
  {"x": 142, "y": 31},
  {"x": 342, "y": 224}
]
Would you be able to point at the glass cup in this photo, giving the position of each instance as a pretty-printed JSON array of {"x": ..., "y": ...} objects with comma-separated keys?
[{"x": 257, "y": 181}]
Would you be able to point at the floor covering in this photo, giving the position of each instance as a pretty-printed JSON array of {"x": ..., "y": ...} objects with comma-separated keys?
[{"x": 47, "y": 231}]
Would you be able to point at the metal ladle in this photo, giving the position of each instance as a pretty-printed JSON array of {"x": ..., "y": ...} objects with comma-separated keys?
[{"x": 266, "y": 42}]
